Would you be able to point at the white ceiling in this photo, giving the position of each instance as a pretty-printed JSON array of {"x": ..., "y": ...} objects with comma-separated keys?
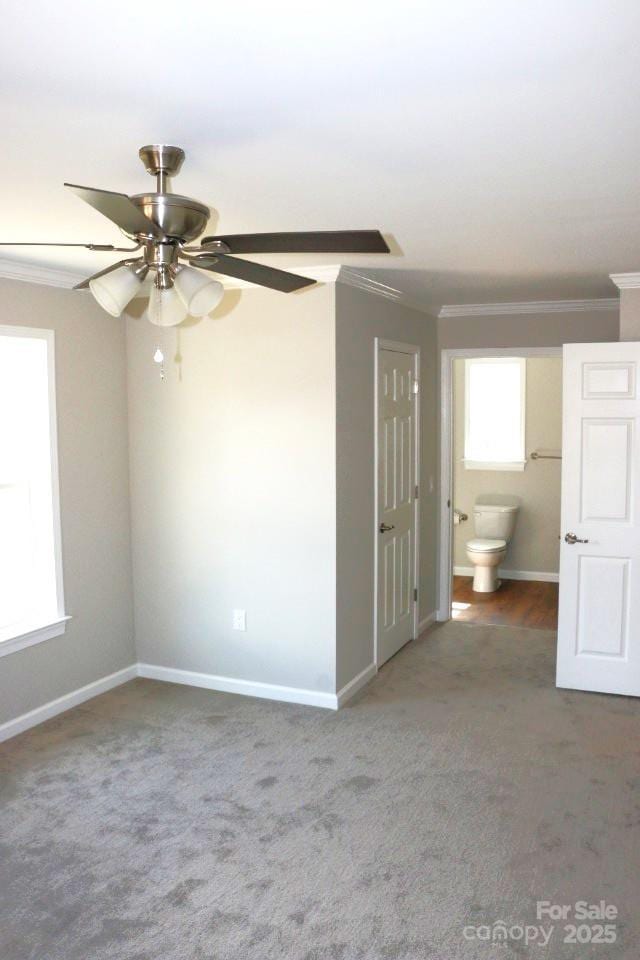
[{"x": 497, "y": 143}]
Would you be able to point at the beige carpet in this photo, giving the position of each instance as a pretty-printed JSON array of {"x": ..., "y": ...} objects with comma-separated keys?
[{"x": 160, "y": 822}]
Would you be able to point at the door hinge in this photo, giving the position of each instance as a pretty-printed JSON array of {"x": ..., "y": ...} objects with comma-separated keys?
[
  {"x": 449, "y": 504},
  {"x": 416, "y": 492},
  {"x": 415, "y": 594}
]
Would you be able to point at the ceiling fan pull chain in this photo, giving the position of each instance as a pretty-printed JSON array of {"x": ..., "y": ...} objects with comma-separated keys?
[{"x": 159, "y": 358}]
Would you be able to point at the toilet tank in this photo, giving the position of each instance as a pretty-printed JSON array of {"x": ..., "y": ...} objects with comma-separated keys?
[{"x": 494, "y": 516}]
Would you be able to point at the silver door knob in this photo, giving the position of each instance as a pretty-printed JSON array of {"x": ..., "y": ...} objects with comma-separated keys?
[
  {"x": 571, "y": 538},
  {"x": 384, "y": 527}
]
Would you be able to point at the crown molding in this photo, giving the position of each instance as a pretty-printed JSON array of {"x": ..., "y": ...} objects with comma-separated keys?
[
  {"x": 37, "y": 273},
  {"x": 332, "y": 273},
  {"x": 351, "y": 278},
  {"x": 361, "y": 281},
  {"x": 336, "y": 273},
  {"x": 625, "y": 281},
  {"x": 66, "y": 279},
  {"x": 529, "y": 306}
]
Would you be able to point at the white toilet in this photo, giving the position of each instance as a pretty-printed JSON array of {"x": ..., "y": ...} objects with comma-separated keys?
[{"x": 494, "y": 519}]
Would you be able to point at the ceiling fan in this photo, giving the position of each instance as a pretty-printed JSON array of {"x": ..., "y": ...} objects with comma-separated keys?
[{"x": 162, "y": 224}]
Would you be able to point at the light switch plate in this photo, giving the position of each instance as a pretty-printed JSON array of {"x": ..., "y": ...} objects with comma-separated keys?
[{"x": 239, "y": 619}]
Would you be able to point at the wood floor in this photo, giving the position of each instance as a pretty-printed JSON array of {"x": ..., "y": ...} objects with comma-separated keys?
[{"x": 517, "y": 603}]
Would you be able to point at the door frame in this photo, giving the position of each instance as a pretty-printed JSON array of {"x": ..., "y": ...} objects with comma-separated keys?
[
  {"x": 412, "y": 349},
  {"x": 445, "y": 565}
]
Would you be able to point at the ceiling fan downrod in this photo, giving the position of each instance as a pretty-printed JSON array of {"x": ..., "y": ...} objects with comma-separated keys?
[{"x": 161, "y": 161}]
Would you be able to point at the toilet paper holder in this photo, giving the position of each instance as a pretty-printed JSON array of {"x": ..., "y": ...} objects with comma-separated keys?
[{"x": 459, "y": 516}]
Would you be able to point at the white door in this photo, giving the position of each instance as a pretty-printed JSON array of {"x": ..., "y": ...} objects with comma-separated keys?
[
  {"x": 599, "y": 617},
  {"x": 396, "y": 507}
]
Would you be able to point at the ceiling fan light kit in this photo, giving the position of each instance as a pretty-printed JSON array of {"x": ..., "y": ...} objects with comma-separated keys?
[
  {"x": 165, "y": 309},
  {"x": 199, "y": 293},
  {"x": 162, "y": 224},
  {"x": 115, "y": 290}
]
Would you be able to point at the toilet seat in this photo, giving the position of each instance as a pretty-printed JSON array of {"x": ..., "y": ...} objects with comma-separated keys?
[{"x": 486, "y": 546}]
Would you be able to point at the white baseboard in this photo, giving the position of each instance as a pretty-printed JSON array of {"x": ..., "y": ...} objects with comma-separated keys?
[
  {"x": 27, "y": 720},
  {"x": 428, "y": 620},
  {"x": 249, "y": 688},
  {"x": 350, "y": 689},
  {"x": 542, "y": 576}
]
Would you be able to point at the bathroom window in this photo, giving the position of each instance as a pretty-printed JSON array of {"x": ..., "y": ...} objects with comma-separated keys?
[
  {"x": 495, "y": 413},
  {"x": 31, "y": 603}
]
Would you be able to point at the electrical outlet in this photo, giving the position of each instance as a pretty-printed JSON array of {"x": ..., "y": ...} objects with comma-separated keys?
[{"x": 239, "y": 619}]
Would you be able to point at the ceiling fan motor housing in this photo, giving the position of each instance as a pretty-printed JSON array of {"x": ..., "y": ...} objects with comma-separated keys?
[{"x": 179, "y": 218}]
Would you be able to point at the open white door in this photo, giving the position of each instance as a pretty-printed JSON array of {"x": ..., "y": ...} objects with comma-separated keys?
[{"x": 599, "y": 616}]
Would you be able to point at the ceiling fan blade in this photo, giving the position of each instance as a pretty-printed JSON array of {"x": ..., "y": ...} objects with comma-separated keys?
[
  {"x": 327, "y": 241},
  {"x": 101, "y": 273},
  {"x": 87, "y": 246},
  {"x": 253, "y": 272},
  {"x": 118, "y": 208}
]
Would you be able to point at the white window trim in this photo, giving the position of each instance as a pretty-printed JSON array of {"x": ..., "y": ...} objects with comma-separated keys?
[
  {"x": 22, "y": 635},
  {"x": 10, "y": 642},
  {"x": 510, "y": 465}
]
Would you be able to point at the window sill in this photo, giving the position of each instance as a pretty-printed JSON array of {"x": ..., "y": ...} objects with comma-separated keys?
[
  {"x": 482, "y": 465},
  {"x": 10, "y": 641}
]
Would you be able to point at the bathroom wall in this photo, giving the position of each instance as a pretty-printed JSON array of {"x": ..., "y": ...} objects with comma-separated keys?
[
  {"x": 529, "y": 329},
  {"x": 535, "y": 545}
]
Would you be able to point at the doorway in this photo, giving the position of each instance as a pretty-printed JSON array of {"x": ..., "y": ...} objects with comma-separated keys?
[{"x": 501, "y": 460}]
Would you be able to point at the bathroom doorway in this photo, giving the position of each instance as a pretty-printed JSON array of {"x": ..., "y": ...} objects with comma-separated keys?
[{"x": 502, "y": 439}]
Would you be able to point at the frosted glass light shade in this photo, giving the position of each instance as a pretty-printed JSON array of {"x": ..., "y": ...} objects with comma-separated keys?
[
  {"x": 199, "y": 293},
  {"x": 166, "y": 309},
  {"x": 115, "y": 290}
]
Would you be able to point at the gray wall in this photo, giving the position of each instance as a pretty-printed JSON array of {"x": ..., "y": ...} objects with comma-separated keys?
[
  {"x": 222, "y": 458},
  {"x": 529, "y": 330},
  {"x": 233, "y": 489},
  {"x": 630, "y": 314},
  {"x": 360, "y": 317},
  {"x": 94, "y": 499},
  {"x": 535, "y": 544},
  {"x": 240, "y": 462}
]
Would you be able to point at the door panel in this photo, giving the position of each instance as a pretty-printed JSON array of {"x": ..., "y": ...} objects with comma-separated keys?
[
  {"x": 397, "y": 372},
  {"x": 602, "y": 606},
  {"x": 608, "y": 381},
  {"x": 406, "y": 461},
  {"x": 389, "y": 580},
  {"x": 606, "y": 468},
  {"x": 599, "y": 616},
  {"x": 405, "y": 573}
]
